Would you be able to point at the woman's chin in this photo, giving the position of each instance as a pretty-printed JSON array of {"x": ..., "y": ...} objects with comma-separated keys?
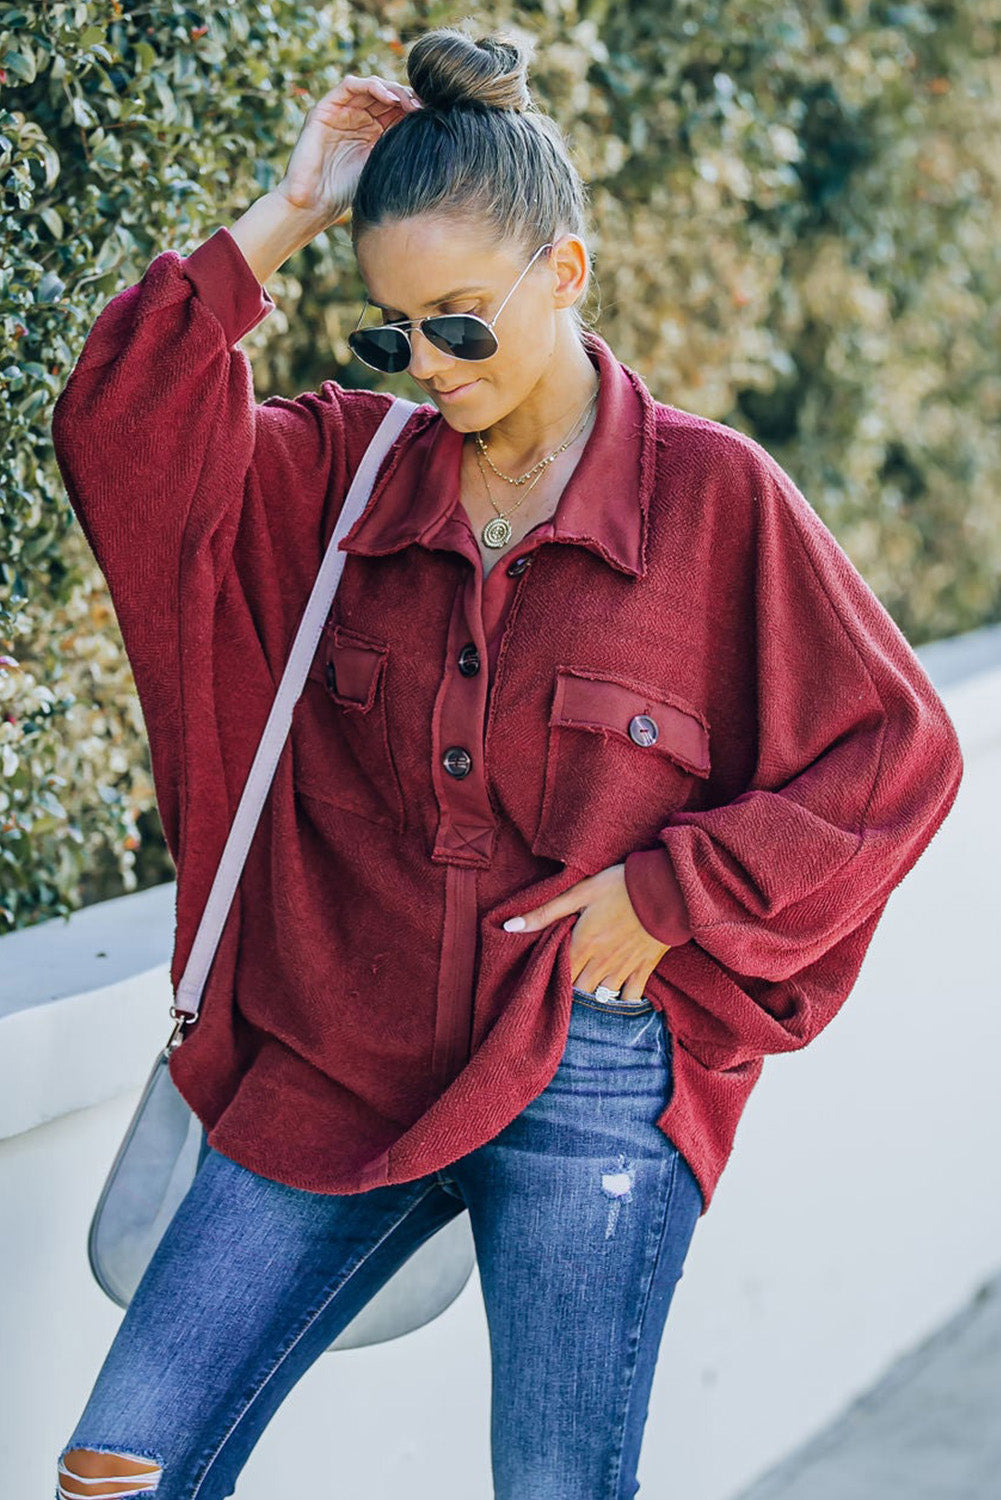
[{"x": 462, "y": 424}]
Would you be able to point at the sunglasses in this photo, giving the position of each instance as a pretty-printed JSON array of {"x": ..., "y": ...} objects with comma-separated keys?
[{"x": 387, "y": 346}]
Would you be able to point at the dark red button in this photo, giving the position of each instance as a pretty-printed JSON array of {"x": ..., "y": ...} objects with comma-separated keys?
[{"x": 518, "y": 566}]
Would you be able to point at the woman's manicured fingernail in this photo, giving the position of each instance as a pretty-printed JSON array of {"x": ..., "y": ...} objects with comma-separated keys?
[{"x": 514, "y": 924}]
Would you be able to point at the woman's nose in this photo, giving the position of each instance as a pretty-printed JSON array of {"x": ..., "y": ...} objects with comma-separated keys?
[{"x": 425, "y": 360}]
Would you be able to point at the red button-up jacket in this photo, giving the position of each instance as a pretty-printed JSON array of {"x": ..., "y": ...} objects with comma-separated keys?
[{"x": 367, "y": 1019}]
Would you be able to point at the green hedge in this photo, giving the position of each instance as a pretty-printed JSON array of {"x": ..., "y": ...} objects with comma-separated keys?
[{"x": 798, "y": 219}]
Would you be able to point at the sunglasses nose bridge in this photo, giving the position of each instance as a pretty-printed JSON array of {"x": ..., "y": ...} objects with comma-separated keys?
[{"x": 423, "y": 346}]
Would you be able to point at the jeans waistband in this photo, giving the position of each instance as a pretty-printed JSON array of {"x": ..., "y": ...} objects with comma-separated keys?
[{"x": 623, "y": 1007}]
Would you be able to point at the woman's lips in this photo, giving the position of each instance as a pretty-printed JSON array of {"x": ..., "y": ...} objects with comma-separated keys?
[{"x": 457, "y": 391}]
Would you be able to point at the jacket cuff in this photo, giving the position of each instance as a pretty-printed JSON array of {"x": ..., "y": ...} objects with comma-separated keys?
[
  {"x": 224, "y": 281},
  {"x": 656, "y": 896}
]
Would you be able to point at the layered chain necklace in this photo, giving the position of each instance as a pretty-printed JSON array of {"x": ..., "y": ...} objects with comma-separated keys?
[{"x": 498, "y": 531}]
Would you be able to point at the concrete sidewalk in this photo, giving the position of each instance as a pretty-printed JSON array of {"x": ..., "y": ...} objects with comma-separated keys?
[{"x": 929, "y": 1430}]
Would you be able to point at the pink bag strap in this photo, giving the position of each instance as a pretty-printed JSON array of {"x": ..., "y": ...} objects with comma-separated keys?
[{"x": 261, "y": 774}]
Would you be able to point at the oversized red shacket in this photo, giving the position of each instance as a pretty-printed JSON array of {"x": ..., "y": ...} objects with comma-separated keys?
[{"x": 367, "y": 1019}]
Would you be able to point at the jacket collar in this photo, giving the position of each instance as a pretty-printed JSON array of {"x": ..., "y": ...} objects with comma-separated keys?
[{"x": 604, "y": 505}]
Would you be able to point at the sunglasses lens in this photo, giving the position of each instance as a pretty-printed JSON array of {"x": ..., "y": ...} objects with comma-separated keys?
[
  {"x": 386, "y": 349},
  {"x": 461, "y": 335}
]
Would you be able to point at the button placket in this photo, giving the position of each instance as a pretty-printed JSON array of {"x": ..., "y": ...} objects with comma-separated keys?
[{"x": 466, "y": 824}]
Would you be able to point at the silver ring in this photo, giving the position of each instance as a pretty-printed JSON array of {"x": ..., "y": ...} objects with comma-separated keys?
[{"x": 604, "y": 993}]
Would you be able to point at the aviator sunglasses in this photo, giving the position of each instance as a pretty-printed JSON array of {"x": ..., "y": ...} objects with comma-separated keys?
[{"x": 387, "y": 347}]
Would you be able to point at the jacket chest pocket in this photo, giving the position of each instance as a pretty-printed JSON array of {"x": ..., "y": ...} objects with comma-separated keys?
[
  {"x": 340, "y": 736},
  {"x": 620, "y": 758}
]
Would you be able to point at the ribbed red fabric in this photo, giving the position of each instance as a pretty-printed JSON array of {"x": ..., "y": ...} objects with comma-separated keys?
[{"x": 367, "y": 1019}]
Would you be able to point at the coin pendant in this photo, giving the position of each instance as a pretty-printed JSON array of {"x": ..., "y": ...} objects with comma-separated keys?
[{"x": 497, "y": 533}]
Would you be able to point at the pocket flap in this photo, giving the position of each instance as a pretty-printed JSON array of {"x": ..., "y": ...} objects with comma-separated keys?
[
  {"x": 349, "y": 663},
  {"x": 606, "y": 705}
]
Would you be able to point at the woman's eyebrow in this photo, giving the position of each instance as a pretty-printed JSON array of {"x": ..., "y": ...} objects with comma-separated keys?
[{"x": 459, "y": 291}]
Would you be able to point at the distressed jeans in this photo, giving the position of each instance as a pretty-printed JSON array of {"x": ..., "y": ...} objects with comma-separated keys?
[{"x": 581, "y": 1210}]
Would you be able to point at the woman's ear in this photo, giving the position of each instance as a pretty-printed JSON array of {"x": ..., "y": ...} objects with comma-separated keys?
[{"x": 569, "y": 259}]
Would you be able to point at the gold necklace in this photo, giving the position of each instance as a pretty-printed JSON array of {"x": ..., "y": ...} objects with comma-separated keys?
[
  {"x": 543, "y": 462},
  {"x": 498, "y": 530}
]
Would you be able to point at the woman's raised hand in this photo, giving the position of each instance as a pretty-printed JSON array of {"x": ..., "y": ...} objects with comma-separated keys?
[{"x": 338, "y": 133}]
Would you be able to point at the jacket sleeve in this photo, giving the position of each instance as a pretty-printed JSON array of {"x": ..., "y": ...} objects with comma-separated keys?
[
  {"x": 769, "y": 901},
  {"x": 169, "y": 463}
]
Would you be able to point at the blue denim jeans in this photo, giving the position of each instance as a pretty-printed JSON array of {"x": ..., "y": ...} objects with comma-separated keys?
[{"x": 581, "y": 1210}]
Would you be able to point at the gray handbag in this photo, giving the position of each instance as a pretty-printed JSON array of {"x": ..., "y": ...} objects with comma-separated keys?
[{"x": 165, "y": 1142}]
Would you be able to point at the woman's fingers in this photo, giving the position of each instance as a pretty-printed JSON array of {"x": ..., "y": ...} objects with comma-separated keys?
[
  {"x": 381, "y": 88},
  {"x": 374, "y": 86}
]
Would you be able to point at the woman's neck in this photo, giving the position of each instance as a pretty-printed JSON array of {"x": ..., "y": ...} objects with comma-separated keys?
[{"x": 546, "y": 417}]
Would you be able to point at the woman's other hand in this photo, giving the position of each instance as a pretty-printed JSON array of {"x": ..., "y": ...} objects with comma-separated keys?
[
  {"x": 609, "y": 945},
  {"x": 338, "y": 133}
]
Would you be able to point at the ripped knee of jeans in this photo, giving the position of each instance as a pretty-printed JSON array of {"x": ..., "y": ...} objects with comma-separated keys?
[{"x": 106, "y": 1474}]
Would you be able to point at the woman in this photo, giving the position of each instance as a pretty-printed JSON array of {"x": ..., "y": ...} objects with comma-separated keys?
[{"x": 560, "y": 849}]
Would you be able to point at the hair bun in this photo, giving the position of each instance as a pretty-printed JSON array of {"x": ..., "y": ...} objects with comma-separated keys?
[{"x": 448, "y": 69}]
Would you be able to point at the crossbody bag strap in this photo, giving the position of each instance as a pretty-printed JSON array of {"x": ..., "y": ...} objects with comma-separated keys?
[{"x": 259, "y": 778}]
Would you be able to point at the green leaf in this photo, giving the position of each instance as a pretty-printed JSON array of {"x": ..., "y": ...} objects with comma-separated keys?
[
  {"x": 167, "y": 101},
  {"x": 50, "y": 288},
  {"x": 109, "y": 255},
  {"x": 82, "y": 112},
  {"x": 35, "y": 403},
  {"x": 50, "y": 803},
  {"x": 50, "y": 161},
  {"x": 20, "y": 63}
]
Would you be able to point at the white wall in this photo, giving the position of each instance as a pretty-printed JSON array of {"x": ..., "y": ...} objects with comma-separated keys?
[{"x": 858, "y": 1211}]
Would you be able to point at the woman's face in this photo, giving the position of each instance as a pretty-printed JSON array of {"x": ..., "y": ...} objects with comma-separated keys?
[{"x": 416, "y": 267}]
